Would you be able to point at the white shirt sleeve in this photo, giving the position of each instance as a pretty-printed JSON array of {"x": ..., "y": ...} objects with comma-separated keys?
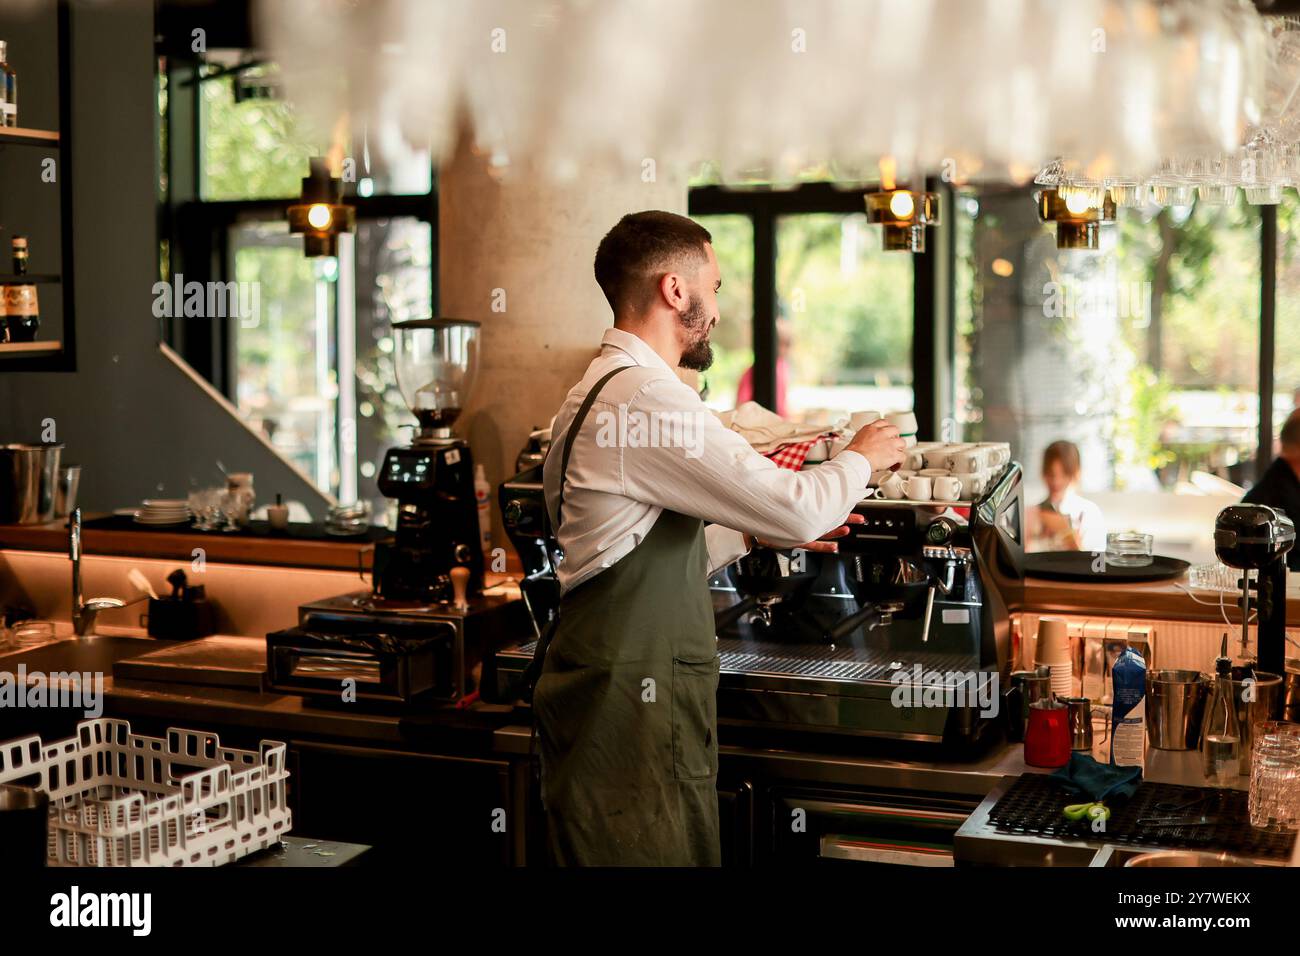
[
  {"x": 1092, "y": 527},
  {"x": 725, "y": 546},
  {"x": 713, "y": 474}
]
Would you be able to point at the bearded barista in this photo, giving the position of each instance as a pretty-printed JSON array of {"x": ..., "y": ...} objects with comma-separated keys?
[{"x": 626, "y": 702}]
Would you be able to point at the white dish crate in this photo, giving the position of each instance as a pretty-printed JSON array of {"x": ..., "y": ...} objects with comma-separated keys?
[{"x": 124, "y": 799}]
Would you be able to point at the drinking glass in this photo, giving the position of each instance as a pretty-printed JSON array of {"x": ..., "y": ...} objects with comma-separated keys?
[
  {"x": 1217, "y": 194},
  {"x": 1128, "y": 549},
  {"x": 1274, "y": 797},
  {"x": 1172, "y": 193},
  {"x": 1128, "y": 194},
  {"x": 32, "y": 633}
]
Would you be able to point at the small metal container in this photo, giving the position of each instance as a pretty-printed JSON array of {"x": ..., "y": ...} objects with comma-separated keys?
[
  {"x": 1080, "y": 723},
  {"x": 29, "y": 480},
  {"x": 23, "y": 816},
  {"x": 1027, "y": 687},
  {"x": 1175, "y": 705},
  {"x": 1266, "y": 691}
]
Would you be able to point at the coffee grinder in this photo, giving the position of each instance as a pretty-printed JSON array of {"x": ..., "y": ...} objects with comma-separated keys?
[
  {"x": 1250, "y": 536},
  {"x": 432, "y": 478}
]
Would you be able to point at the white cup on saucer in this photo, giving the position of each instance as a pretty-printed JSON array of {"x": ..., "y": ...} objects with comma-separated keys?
[
  {"x": 972, "y": 486},
  {"x": 947, "y": 488},
  {"x": 894, "y": 488},
  {"x": 919, "y": 488}
]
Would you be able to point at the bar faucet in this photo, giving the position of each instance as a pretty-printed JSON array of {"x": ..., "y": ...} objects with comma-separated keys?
[{"x": 84, "y": 613}]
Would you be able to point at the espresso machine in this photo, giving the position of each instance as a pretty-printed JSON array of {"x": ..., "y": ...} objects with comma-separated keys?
[
  {"x": 912, "y": 608},
  {"x": 904, "y": 633},
  {"x": 1257, "y": 537},
  {"x": 425, "y": 631},
  {"x": 433, "y": 477}
]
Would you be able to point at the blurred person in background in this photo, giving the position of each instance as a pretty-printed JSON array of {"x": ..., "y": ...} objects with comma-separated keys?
[
  {"x": 745, "y": 390},
  {"x": 1064, "y": 520},
  {"x": 1279, "y": 486}
]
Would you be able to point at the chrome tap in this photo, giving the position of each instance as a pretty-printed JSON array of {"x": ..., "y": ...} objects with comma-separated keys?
[{"x": 84, "y": 613}]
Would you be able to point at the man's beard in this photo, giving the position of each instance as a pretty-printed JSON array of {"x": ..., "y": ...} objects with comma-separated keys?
[{"x": 698, "y": 354}]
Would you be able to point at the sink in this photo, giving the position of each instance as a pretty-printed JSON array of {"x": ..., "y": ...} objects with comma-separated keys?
[{"x": 94, "y": 654}]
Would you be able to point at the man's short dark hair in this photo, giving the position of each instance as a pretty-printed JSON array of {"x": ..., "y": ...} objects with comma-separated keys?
[
  {"x": 1290, "y": 434},
  {"x": 641, "y": 248}
]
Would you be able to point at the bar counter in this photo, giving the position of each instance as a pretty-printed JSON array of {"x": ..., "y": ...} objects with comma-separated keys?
[{"x": 1159, "y": 600}]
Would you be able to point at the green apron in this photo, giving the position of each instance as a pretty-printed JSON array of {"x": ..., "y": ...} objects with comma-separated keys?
[{"x": 626, "y": 706}]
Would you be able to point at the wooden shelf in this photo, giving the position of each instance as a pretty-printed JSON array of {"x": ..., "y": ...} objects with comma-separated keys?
[
  {"x": 10, "y": 279},
  {"x": 21, "y": 136},
  {"x": 30, "y": 348}
]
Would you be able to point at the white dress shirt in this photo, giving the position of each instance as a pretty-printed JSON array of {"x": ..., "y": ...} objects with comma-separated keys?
[
  {"x": 1086, "y": 521},
  {"x": 618, "y": 482}
]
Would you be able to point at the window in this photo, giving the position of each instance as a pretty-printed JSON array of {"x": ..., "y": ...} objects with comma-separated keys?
[
  {"x": 252, "y": 148},
  {"x": 833, "y": 308},
  {"x": 1144, "y": 354},
  {"x": 733, "y": 338},
  {"x": 314, "y": 373},
  {"x": 1286, "y": 368},
  {"x": 847, "y": 305},
  {"x": 286, "y": 386}
]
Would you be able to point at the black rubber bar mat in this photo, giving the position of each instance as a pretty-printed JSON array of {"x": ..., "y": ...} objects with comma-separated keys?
[
  {"x": 1034, "y": 807},
  {"x": 1079, "y": 566}
]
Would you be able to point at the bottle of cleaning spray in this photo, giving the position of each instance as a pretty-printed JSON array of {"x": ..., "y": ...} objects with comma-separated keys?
[
  {"x": 1128, "y": 721},
  {"x": 483, "y": 496}
]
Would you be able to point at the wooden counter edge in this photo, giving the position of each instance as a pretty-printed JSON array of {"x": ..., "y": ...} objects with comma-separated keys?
[
  {"x": 1155, "y": 600},
  {"x": 222, "y": 548},
  {"x": 339, "y": 555},
  {"x": 1160, "y": 600}
]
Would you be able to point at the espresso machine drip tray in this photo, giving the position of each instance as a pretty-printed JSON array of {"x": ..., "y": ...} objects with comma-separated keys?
[
  {"x": 820, "y": 662},
  {"x": 841, "y": 690}
]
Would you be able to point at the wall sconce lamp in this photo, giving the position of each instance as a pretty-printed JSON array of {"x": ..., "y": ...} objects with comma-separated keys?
[{"x": 320, "y": 214}]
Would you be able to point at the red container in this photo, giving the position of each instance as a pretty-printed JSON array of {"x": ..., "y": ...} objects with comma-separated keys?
[{"x": 1047, "y": 736}]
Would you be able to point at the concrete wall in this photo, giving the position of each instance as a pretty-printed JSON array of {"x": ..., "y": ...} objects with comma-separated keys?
[
  {"x": 534, "y": 241},
  {"x": 137, "y": 425}
]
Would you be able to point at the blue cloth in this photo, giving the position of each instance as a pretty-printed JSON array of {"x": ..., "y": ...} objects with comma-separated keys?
[{"x": 1097, "y": 781}]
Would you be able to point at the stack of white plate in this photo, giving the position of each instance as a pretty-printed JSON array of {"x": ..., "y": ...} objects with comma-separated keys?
[{"x": 162, "y": 511}]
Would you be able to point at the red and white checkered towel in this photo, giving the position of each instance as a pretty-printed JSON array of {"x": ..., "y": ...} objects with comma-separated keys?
[{"x": 792, "y": 455}]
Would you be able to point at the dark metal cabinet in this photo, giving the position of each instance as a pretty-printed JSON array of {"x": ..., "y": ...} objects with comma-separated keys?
[
  {"x": 411, "y": 807},
  {"x": 807, "y": 825}
]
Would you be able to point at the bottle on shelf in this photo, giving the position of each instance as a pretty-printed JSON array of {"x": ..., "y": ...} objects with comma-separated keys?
[
  {"x": 1220, "y": 728},
  {"x": 22, "y": 315},
  {"x": 8, "y": 87}
]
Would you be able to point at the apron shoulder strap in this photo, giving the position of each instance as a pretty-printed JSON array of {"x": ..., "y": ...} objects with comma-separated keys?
[
  {"x": 533, "y": 672},
  {"x": 574, "y": 427}
]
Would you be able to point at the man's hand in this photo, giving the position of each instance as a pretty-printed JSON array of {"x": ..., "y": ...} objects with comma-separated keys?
[
  {"x": 825, "y": 544},
  {"x": 879, "y": 443}
]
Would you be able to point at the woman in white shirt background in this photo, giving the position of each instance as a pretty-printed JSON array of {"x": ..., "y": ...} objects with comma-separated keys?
[{"x": 1065, "y": 520}]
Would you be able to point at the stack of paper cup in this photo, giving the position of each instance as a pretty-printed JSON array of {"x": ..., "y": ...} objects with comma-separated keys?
[{"x": 1054, "y": 652}]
